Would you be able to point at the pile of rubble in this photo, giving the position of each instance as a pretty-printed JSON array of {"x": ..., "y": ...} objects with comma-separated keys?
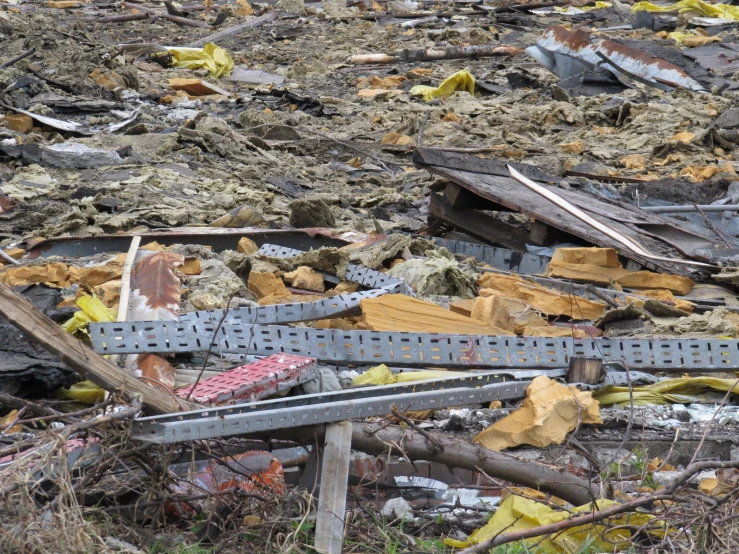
[{"x": 368, "y": 276}]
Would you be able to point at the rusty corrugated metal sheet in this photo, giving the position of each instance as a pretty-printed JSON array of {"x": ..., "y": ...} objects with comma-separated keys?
[{"x": 597, "y": 53}]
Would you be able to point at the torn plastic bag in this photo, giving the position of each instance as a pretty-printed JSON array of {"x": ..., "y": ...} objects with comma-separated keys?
[
  {"x": 720, "y": 11},
  {"x": 460, "y": 81},
  {"x": 669, "y": 391}
]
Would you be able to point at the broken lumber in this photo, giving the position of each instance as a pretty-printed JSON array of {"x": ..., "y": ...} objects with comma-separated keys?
[
  {"x": 36, "y": 326},
  {"x": 398, "y": 312},
  {"x": 433, "y": 54},
  {"x": 235, "y": 30},
  {"x": 172, "y": 18}
]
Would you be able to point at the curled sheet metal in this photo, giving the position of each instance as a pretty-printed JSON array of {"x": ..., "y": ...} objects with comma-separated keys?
[{"x": 606, "y": 56}]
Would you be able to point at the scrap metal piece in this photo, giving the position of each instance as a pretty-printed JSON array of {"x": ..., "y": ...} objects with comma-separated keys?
[
  {"x": 356, "y": 273},
  {"x": 621, "y": 60},
  {"x": 412, "y": 349},
  {"x": 252, "y": 381},
  {"x": 341, "y": 305},
  {"x": 498, "y": 257},
  {"x": 272, "y": 415}
]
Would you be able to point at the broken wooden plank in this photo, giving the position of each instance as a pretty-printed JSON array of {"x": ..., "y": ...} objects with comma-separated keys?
[
  {"x": 398, "y": 312},
  {"x": 491, "y": 180},
  {"x": 478, "y": 224},
  {"x": 334, "y": 479},
  {"x": 36, "y": 326}
]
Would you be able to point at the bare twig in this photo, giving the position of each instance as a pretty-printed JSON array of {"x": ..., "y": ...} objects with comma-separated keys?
[
  {"x": 18, "y": 58},
  {"x": 213, "y": 341},
  {"x": 713, "y": 418},
  {"x": 408, "y": 421},
  {"x": 712, "y": 227}
]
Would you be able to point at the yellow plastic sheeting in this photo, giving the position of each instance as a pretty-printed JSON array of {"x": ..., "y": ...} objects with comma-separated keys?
[
  {"x": 91, "y": 309},
  {"x": 86, "y": 392},
  {"x": 691, "y": 40},
  {"x": 211, "y": 57},
  {"x": 518, "y": 514},
  {"x": 462, "y": 80},
  {"x": 722, "y": 11},
  {"x": 381, "y": 375},
  {"x": 669, "y": 391}
]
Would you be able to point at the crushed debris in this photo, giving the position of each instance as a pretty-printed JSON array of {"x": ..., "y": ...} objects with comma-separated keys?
[{"x": 368, "y": 276}]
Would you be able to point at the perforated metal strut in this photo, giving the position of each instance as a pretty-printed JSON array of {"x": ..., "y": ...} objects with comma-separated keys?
[
  {"x": 411, "y": 349},
  {"x": 315, "y": 409}
]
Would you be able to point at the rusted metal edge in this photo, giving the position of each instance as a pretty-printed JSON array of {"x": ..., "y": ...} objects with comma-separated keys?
[{"x": 218, "y": 238}]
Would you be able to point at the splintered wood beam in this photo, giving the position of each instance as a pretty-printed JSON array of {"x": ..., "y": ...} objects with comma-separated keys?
[
  {"x": 39, "y": 328},
  {"x": 479, "y": 224}
]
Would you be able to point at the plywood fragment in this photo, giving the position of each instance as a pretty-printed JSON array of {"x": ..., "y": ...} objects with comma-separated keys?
[
  {"x": 197, "y": 87},
  {"x": 548, "y": 413},
  {"x": 545, "y": 300},
  {"x": 665, "y": 296},
  {"x": 287, "y": 299},
  {"x": 604, "y": 257},
  {"x": 492, "y": 311},
  {"x": 305, "y": 278},
  {"x": 191, "y": 266},
  {"x": 650, "y": 280},
  {"x": 601, "y": 266},
  {"x": 90, "y": 277},
  {"x": 345, "y": 287},
  {"x": 266, "y": 284},
  {"x": 247, "y": 246},
  {"x": 109, "y": 292},
  {"x": 523, "y": 315},
  {"x": 15, "y": 253},
  {"x": 398, "y": 312},
  {"x": 463, "y": 307},
  {"x": 55, "y": 274}
]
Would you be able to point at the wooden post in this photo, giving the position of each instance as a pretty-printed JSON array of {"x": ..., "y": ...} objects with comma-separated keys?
[
  {"x": 334, "y": 479},
  {"x": 584, "y": 370},
  {"x": 36, "y": 326}
]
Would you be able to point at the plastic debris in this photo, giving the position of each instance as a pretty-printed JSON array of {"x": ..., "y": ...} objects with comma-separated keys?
[
  {"x": 91, "y": 309},
  {"x": 460, "y": 81},
  {"x": 381, "y": 375},
  {"x": 517, "y": 513},
  {"x": 211, "y": 57},
  {"x": 669, "y": 391},
  {"x": 722, "y": 11}
]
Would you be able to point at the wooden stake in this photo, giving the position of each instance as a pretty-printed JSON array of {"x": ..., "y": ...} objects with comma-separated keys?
[
  {"x": 36, "y": 326},
  {"x": 332, "y": 496}
]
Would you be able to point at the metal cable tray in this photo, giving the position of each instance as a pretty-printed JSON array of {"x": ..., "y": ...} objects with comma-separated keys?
[{"x": 411, "y": 349}]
